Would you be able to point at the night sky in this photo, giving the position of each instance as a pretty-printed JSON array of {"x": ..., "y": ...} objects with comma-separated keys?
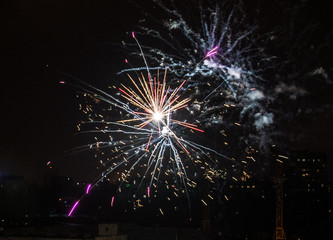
[
  {"x": 83, "y": 39},
  {"x": 39, "y": 115}
]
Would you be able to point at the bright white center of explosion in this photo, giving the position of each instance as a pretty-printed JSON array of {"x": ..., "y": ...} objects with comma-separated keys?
[{"x": 157, "y": 116}]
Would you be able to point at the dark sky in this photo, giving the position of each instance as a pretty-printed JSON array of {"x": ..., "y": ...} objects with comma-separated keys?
[{"x": 38, "y": 115}]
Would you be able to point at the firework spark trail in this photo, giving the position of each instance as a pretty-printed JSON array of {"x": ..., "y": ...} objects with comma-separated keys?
[
  {"x": 73, "y": 208},
  {"x": 88, "y": 188}
]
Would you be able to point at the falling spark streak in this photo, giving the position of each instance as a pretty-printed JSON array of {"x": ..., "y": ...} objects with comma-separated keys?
[
  {"x": 161, "y": 211},
  {"x": 75, "y": 205},
  {"x": 212, "y": 52},
  {"x": 112, "y": 201},
  {"x": 149, "y": 141},
  {"x": 88, "y": 189}
]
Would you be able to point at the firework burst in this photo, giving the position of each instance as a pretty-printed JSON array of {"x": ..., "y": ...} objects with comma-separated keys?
[
  {"x": 223, "y": 57},
  {"x": 224, "y": 50},
  {"x": 160, "y": 135},
  {"x": 152, "y": 97},
  {"x": 148, "y": 146}
]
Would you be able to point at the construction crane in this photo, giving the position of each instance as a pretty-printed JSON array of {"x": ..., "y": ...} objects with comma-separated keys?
[{"x": 279, "y": 231}]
